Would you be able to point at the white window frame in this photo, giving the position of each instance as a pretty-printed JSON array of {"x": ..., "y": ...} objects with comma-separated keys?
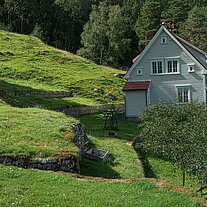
[
  {"x": 183, "y": 98},
  {"x": 163, "y": 39},
  {"x": 139, "y": 71},
  {"x": 156, "y": 62},
  {"x": 191, "y": 67},
  {"x": 172, "y": 60}
]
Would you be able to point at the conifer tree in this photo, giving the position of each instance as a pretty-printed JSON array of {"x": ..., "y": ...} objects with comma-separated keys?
[
  {"x": 176, "y": 13},
  {"x": 195, "y": 29},
  {"x": 148, "y": 21}
]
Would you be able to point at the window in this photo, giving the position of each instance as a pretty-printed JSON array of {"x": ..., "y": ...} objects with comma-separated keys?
[
  {"x": 163, "y": 39},
  {"x": 191, "y": 68},
  {"x": 139, "y": 71},
  {"x": 172, "y": 65},
  {"x": 157, "y": 67},
  {"x": 183, "y": 94}
]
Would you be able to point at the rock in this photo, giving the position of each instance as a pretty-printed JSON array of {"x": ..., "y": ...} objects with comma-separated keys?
[
  {"x": 96, "y": 90},
  {"x": 112, "y": 134},
  {"x": 137, "y": 142},
  {"x": 119, "y": 75}
]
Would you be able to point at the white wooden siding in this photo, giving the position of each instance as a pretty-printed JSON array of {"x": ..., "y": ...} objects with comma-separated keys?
[
  {"x": 163, "y": 86},
  {"x": 135, "y": 102}
]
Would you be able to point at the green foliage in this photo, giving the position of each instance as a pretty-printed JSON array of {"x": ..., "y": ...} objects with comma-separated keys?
[
  {"x": 22, "y": 15},
  {"x": 149, "y": 21},
  {"x": 195, "y": 27},
  {"x": 118, "y": 44},
  {"x": 94, "y": 37},
  {"x": 176, "y": 13},
  {"x": 103, "y": 38},
  {"x": 177, "y": 133}
]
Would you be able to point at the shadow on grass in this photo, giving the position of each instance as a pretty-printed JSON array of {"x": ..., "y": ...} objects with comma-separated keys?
[
  {"x": 147, "y": 168},
  {"x": 31, "y": 101},
  {"x": 98, "y": 169}
]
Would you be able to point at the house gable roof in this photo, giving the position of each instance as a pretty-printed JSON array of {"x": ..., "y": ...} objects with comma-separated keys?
[
  {"x": 197, "y": 55},
  {"x": 200, "y": 55}
]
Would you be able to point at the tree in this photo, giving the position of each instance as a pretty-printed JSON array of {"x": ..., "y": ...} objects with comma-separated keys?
[
  {"x": 71, "y": 15},
  {"x": 94, "y": 40},
  {"x": 131, "y": 11},
  {"x": 116, "y": 34},
  {"x": 21, "y": 15},
  {"x": 104, "y": 34},
  {"x": 148, "y": 21},
  {"x": 195, "y": 27},
  {"x": 176, "y": 13},
  {"x": 180, "y": 137}
]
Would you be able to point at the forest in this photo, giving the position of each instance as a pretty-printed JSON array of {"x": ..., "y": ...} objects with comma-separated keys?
[{"x": 108, "y": 32}]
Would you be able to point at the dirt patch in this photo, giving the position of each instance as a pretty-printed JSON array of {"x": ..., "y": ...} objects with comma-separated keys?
[{"x": 202, "y": 201}]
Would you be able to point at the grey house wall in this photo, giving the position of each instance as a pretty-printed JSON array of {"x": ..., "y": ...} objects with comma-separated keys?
[
  {"x": 135, "y": 102},
  {"x": 163, "y": 87}
]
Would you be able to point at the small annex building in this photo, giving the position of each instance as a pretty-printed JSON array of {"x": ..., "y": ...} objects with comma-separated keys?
[{"x": 168, "y": 69}]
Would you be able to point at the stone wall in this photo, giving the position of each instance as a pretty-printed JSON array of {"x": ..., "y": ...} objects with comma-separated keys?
[
  {"x": 78, "y": 111},
  {"x": 52, "y": 94},
  {"x": 67, "y": 163},
  {"x": 80, "y": 138}
]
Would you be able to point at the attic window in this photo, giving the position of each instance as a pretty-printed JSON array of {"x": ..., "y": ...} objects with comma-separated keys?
[
  {"x": 139, "y": 71},
  {"x": 163, "y": 39},
  {"x": 191, "y": 68}
]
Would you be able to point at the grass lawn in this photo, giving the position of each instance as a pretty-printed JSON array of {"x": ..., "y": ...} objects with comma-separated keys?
[
  {"x": 35, "y": 132},
  {"x": 123, "y": 161},
  {"x": 28, "y": 188},
  {"x": 27, "y": 64}
]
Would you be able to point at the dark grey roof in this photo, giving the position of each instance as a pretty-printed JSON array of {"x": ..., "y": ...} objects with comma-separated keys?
[{"x": 198, "y": 54}]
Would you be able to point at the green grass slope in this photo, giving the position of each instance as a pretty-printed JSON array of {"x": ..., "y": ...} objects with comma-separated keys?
[
  {"x": 27, "y": 64},
  {"x": 35, "y": 132},
  {"x": 27, "y": 188}
]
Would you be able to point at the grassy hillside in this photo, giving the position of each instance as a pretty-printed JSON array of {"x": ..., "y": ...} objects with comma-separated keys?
[
  {"x": 27, "y": 64},
  {"x": 34, "y": 132}
]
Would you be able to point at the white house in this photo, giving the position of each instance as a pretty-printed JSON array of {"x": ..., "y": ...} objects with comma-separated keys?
[{"x": 168, "y": 69}]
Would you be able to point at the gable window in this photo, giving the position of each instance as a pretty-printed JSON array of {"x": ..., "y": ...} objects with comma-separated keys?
[
  {"x": 157, "y": 67},
  {"x": 163, "y": 39},
  {"x": 139, "y": 71},
  {"x": 172, "y": 65},
  {"x": 183, "y": 94},
  {"x": 191, "y": 68}
]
